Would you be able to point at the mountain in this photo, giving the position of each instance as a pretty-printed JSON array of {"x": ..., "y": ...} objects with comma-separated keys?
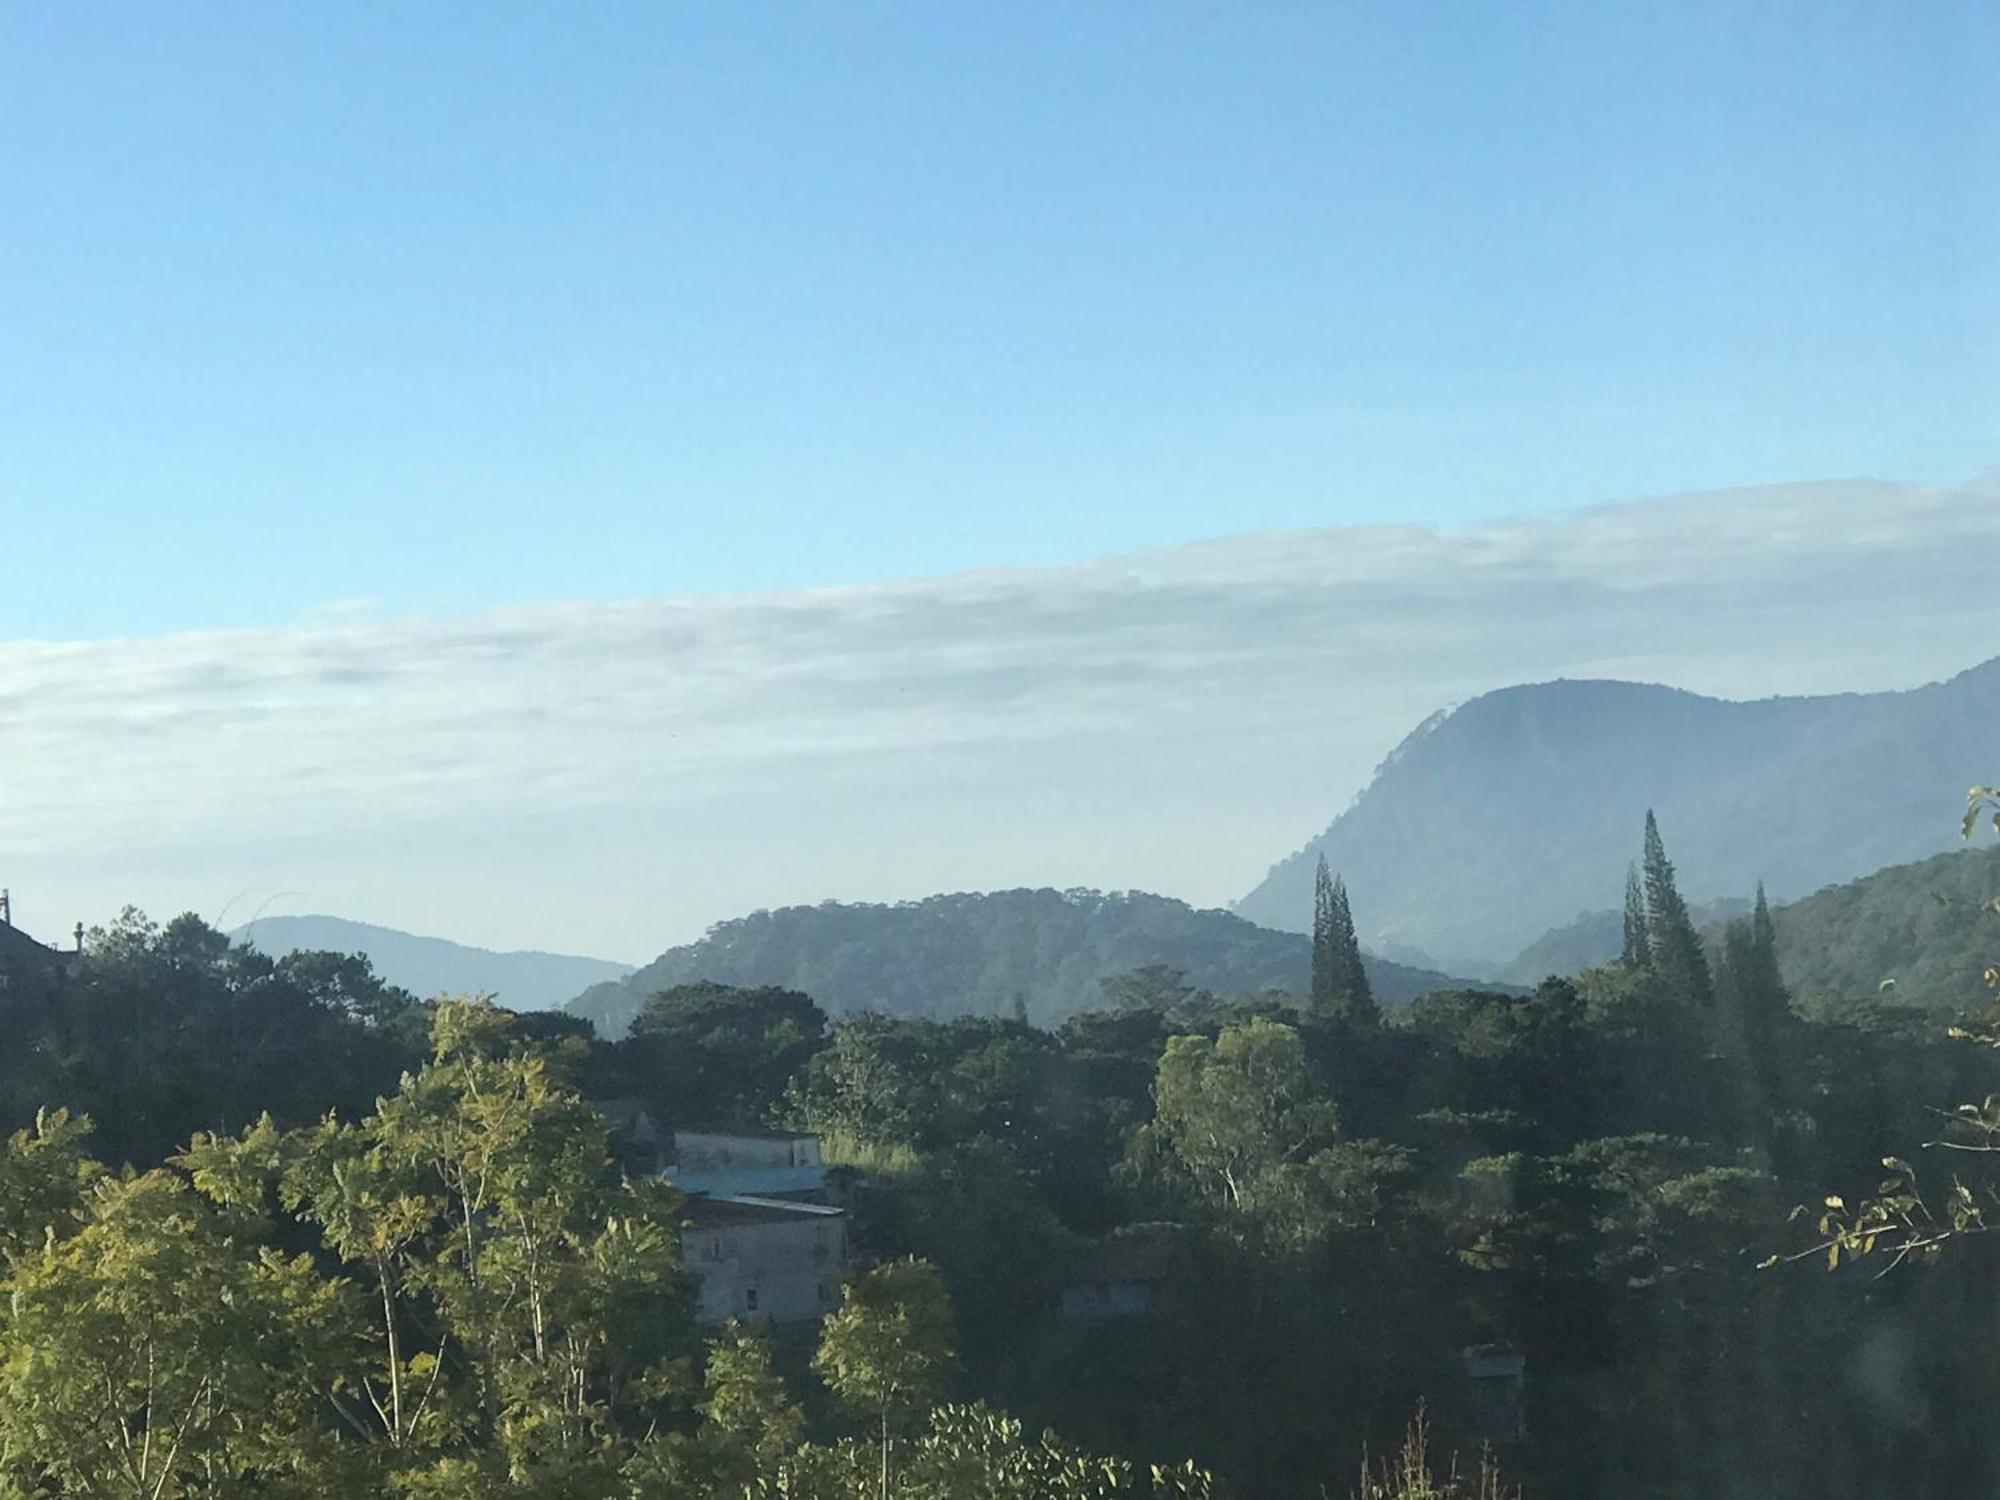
[
  {"x": 1501, "y": 819},
  {"x": 428, "y": 966},
  {"x": 1927, "y": 927},
  {"x": 977, "y": 954}
]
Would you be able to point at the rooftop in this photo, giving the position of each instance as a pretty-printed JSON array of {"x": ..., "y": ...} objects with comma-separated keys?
[
  {"x": 716, "y": 1213},
  {"x": 17, "y": 947}
]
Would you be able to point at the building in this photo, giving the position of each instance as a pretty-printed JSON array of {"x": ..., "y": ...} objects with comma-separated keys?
[
  {"x": 763, "y": 1259},
  {"x": 1117, "y": 1277},
  {"x": 639, "y": 1144},
  {"x": 21, "y": 954},
  {"x": 727, "y": 1163},
  {"x": 1496, "y": 1378}
]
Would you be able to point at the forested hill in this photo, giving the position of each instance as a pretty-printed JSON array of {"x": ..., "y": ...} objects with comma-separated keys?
[
  {"x": 975, "y": 954},
  {"x": 1494, "y": 823},
  {"x": 1921, "y": 934},
  {"x": 428, "y": 966}
]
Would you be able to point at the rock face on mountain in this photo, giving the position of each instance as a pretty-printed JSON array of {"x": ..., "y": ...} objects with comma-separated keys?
[
  {"x": 1505, "y": 818},
  {"x": 1039, "y": 951},
  {"x": 427, "y": 966}
]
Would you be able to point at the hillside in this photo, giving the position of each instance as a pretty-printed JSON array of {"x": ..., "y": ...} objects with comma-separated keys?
[
  {"x": 1496, "y": 822},
  {"x": 1925, "y": 926},
  {"x": 428, "y": 966},
  {"x": 1596, "y": 937},
  {"x": 975, "y": 954}
]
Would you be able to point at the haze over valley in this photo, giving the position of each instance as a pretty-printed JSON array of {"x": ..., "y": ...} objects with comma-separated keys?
[{"x": 614, "y": 778}]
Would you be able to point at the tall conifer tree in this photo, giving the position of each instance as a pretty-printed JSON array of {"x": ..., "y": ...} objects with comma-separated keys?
[
  {"x": 1340, "y": 982},
  {"x": 1678, "y": 956},
  {"x": 1638, "y": 954},
  {"x": 1321, "y": 999},
  {"x": 1767, "y": 1003}
]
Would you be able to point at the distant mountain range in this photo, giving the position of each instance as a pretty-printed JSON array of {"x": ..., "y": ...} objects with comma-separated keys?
[
  {"x": 1507, "y": 817},
  {"x": 982, "y": 954},
  {"x": 428, "y": 966}
]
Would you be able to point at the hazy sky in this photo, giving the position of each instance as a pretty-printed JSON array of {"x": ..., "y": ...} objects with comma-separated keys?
[
  {"x": 560, "y": 475},
  {"x": 609, "y": 778}
]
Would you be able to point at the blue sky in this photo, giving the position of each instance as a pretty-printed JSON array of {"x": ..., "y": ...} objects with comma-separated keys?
[{"x": 456, "y": 306}]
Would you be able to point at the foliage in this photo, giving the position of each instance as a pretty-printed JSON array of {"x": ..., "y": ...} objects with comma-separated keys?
[
  {"x": 714, "y": 1054},
  {"x": 1408, "y": 1475},
  {"x": 1235, "y": 1109},
  {"x": 169, "y": 1030}
]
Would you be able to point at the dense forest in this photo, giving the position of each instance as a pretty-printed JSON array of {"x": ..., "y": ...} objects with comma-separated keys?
[
  {"x": 1038, "y": 954},
  {"x": 321, "y": 1238}
]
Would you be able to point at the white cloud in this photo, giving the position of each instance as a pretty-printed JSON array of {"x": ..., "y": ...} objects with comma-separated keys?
[{"x": 612, "y": 777}]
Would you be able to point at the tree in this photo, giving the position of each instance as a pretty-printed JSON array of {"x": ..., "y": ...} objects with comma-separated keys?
[
  {"x": 146, "y": 1354},
  {"x": 1638, "y": 952},
  {"x": 751, "y": 1424},
  {"x": 886, "y": 1350},
  {"x": 1678, "y": 956},
  {"x": 1339, "y": 981},
  {"x": 479, "y": 1206},
  {"x": 708, "y": 1054},
  {"x": 1234, "y": 1109},
  {"x": 1156, "y": 987}
]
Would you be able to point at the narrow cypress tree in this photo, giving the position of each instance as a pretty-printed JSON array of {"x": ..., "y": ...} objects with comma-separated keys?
[
  {"x": 1321, "y": 999},
  {"x": 1638, "y": 954},
  {"x": 1353, "y": 999},
  {"x": 1767, "y": 1004},
  {"x": 1678, "y": 956}
]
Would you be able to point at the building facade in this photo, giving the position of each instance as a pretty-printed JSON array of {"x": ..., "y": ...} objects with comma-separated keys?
[{"x": 763, "y": 1259}]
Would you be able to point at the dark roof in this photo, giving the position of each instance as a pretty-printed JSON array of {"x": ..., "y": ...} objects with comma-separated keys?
[
  {"x": 716, "y": 1213},
  {"x": 16, "y": 947},
  {"x": 1137, "y": 1253}
]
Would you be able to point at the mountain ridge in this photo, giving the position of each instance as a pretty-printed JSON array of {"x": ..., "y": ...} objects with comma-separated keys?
[
  {"x": 523, "y": 979},
  {"x": 1502, "y": 818},
  {"x": 977, "y": 953}
]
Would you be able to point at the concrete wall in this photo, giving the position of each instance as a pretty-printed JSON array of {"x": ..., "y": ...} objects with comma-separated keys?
[{"x": 786, "y": 1270}]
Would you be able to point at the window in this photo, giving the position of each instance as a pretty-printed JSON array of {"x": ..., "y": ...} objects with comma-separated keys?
[{"x": 749, "y": 1299}]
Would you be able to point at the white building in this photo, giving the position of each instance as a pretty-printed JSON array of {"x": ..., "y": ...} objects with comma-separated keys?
[{"x": 759, "y": 1259}]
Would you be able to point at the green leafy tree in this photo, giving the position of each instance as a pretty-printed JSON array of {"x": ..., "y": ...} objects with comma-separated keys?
[
  {"x": 751, "y": 1424},
  {"x": 720, "y": 1054},
  {"x": 148, "y": 1354},
  {"x": 531, "y": 1304},
  {"x": 887, "y": 1349},
  {"x": 1233, "y": 1109},
  {"x": 44, "y": 1175}
]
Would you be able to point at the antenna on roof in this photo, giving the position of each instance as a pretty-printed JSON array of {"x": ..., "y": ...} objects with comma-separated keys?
[{"x": 6, "y": 909}]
